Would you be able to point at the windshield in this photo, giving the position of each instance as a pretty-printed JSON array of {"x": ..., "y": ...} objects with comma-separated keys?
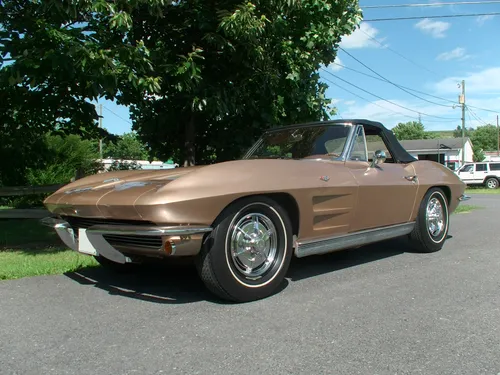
[{"x": 326, "y": 141}]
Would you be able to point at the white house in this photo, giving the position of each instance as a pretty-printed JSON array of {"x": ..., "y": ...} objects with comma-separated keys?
[
  {"x": 447, "y": 151},
  {"x": 145, "y": 164}
]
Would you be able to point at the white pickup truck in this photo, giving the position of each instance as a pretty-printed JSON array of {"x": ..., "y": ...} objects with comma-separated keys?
[{"x": 485, "y": 173}]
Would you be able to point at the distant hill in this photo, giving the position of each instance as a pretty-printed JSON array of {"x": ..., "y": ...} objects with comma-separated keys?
[{"x": 442, "y": 133}]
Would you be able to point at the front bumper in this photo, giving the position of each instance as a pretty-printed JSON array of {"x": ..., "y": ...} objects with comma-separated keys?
[{"x": 94, "y": 240}]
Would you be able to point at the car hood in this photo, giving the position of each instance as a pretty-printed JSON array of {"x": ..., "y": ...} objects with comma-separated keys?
[{"x": 111, "y": 193}]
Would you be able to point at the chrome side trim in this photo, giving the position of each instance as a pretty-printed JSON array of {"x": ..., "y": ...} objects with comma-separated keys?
[
  {"x": 148, "y": 231},
  {"x": 464, "y": 197},
  {"x": 328, "y": 245}
]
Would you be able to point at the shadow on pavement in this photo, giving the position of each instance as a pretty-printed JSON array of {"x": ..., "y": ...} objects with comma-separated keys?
[{"x": 179, "y": 284}]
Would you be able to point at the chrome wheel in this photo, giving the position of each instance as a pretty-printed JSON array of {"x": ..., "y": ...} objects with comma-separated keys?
[
  {"x": 253, "y": 245},
  {"x": 435, "y": 217}
]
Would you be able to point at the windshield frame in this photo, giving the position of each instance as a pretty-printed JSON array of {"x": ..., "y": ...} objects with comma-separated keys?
[{"x": 345, "y": 150}]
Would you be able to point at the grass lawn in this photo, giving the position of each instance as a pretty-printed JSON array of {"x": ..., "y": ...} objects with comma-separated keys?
[
  {"x": 465, "y": 208},
  {"x": 481, "y": 191},
  {"x": 30, "y": 249}
]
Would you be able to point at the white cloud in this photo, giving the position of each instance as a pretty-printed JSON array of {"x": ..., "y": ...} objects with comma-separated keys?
[
  {"x": 486, "y": 81},
  {"x": 456, "y": 54},
  {"x": 482, "y": 19},
  {"x": 350, "y": 102},
  {"x": 361, "y": 38},
  {"x": 334, "y": 66},
  {"x": 434, "y": 28}
]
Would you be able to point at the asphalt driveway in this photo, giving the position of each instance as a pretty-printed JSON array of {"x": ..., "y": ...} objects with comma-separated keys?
[{"x": 374, "y": 310}]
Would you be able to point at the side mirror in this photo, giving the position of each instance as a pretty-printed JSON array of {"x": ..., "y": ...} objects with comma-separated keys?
[
  {"x": 378, "y": 158},
  {"x": 471, "y": 171}
]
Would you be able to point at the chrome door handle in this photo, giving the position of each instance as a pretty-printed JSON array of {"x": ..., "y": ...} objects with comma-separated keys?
[{"x": 412, "y": 178}]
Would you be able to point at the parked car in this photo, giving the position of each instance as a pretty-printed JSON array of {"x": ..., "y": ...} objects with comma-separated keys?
[
  {"x": 301, "y": 190},
  {"x": 480, "y": 174}
]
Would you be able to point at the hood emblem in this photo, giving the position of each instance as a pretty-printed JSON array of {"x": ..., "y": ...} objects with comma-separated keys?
[
  {"x": 324, "y": 178},
  {"x": 111, "y": 180}
]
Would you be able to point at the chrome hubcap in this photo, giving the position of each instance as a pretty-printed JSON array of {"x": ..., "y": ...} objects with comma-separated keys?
[
  {"x": 254, "y": 244},
  {"x": 435, "y": 217}
]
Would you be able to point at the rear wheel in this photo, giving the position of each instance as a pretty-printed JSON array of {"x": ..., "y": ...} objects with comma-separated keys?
[
  {"x": 431, "y": 227},
  {"x": 247, "y": 255},
  {"x": 491, "y": 183}
]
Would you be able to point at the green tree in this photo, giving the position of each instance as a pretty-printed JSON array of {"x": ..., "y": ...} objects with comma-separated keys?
[
  {"x": 411, "y": 130},
  {"x": 56, "y": 55},
  {"x": 230, "y": 69},
  {"x": 457, "y": 133},
  {"x": 485, "y": 137},
  {"x": 62, "y": 159},
  {"x": 128, "y": 146}
]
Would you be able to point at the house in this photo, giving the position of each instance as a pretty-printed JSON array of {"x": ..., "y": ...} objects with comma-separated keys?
[{"x": 447, "y": 151}]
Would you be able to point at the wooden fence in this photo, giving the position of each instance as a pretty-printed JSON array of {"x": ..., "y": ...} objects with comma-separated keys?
[
  {"x": 10, "y": 191},
  {"x": 33, "y": 213}
]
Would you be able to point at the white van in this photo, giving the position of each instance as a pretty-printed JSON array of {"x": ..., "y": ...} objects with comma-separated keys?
[{"x": 484, "y": 173}]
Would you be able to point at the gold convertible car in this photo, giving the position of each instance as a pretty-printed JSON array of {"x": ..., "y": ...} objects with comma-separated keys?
[{"x": 300, "y": 190}]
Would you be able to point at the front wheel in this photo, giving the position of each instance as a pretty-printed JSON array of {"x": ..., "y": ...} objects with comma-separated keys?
[
  {"x": 431, "y": 227},
  {"x": 247, "y": 255}
]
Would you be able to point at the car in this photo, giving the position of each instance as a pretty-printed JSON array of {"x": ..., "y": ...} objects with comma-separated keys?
[
  {"x": 300, "y": 190},
  {"x": 480, "y": 174}
]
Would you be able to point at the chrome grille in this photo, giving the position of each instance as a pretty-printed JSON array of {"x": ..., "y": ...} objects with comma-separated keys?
[{"x": 132, "y": 241}]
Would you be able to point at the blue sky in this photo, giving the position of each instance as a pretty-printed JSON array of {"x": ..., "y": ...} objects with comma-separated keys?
[{"x": 442, "y": 52}]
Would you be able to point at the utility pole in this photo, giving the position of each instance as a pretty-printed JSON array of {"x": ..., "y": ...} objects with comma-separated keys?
[
  {"x": 100, "y": 126},
  {"x": 498, "y": 139},
  {"x": 461, "y": 100}
]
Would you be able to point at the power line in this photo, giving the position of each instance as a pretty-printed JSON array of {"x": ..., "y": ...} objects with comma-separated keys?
[
  {"x": 380, "y": 79},
  {"x": 378, "y": 105},
  {"x": 117, "y": 115},
  {"x": 392, "y": 83},
  {"x": 475, "y": 116},
  {"x": 429, "y": 17},
  {"x": 399, "y": 54},
  {"x": 483, "y": 109},
  {"x": 432, "y": 4},
  {"x": 388, "y": 101},
  {"x": 367, "y": 100}
]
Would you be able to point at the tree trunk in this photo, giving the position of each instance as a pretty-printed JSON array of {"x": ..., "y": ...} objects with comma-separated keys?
[{"x": 189, "y": 150}]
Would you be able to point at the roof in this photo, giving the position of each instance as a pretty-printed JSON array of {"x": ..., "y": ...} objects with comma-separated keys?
[{"x": 433, "y": 144}]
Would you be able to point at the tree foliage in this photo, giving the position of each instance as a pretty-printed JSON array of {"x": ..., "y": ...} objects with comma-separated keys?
[
  {"x": 56, "y": 56},
  {"x": 485, "y": 137},
  {"x": 411, "y": 130},
  {"x": 128, "y": 146},
  {"x": 201, "y": 76},
  {"x": 230, "y": 69}
]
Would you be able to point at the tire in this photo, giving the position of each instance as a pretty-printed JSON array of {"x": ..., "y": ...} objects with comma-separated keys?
[
  {"x": 114, "y": 266},
  {"x": 430, "y": 235},
  {"x": 491, "y": 183},
  {"x": 223, "y": 259}
]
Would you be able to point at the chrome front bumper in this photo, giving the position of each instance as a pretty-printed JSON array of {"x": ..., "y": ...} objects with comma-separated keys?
[
  {"x": 176, "y": 240},
  {"x": 464, "y": 197}
]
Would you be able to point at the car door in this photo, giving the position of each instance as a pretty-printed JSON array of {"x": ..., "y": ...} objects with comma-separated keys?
[
  {"x": 480, "y": 173},
  {"x": 386, "y": 193},
  {"x": 466, "y": 173}
]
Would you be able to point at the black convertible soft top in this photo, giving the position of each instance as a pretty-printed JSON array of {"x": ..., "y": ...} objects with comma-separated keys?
[{"x": 397, "y": 151}]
